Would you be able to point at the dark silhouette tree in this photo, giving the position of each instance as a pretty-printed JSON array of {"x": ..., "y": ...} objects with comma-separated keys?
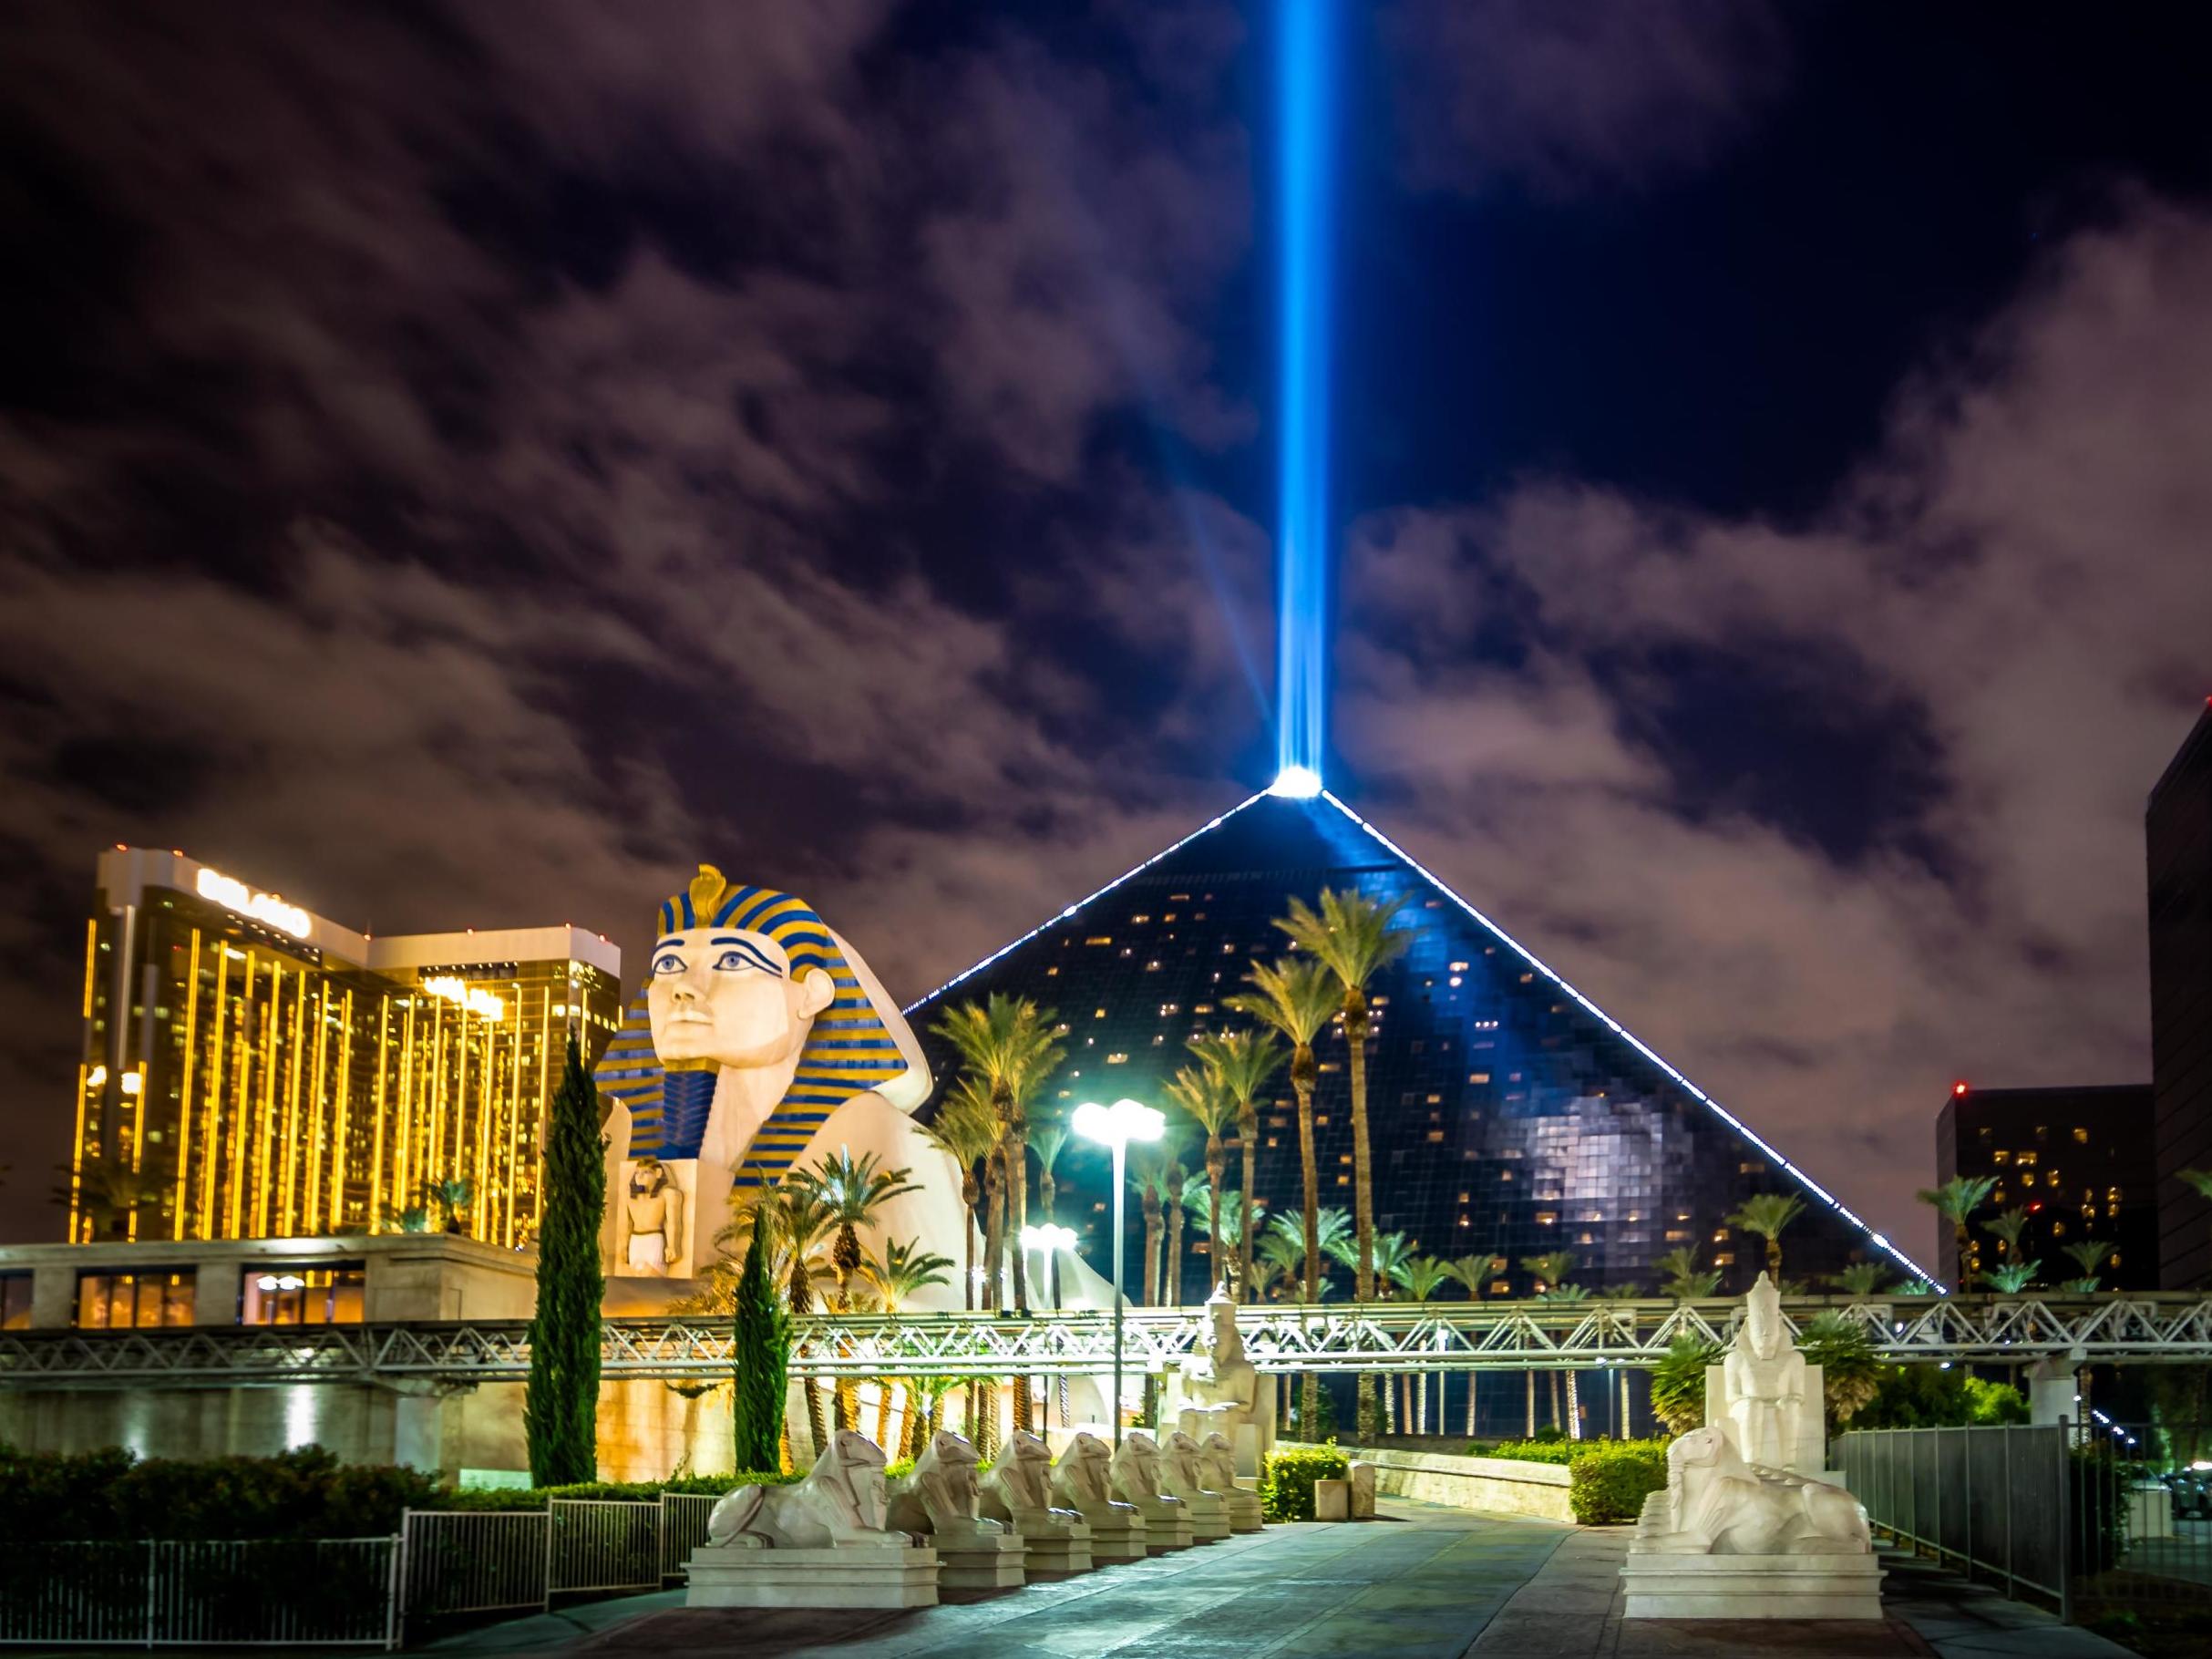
[{"x": 560, "y": 1409}]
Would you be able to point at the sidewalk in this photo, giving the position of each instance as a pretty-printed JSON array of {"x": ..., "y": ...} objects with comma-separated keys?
[{"x": 1571, "y": 1610}]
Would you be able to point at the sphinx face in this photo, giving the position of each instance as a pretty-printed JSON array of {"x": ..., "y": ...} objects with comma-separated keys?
[
  {"x": 724, "y": 994},
  {"x": 954, "y": 1452}
]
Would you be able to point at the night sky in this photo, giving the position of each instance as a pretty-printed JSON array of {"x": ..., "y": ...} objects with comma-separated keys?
[{"x": 464, "y": 464}]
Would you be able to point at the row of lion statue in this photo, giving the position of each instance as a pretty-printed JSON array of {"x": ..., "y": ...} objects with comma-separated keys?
[{"x": 848, "y": 1499}]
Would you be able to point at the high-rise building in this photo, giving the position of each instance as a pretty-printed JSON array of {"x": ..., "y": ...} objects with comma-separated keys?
[
  {"x": 253, "y": 1070},
  {"x": 1510, "y": 1116},
  {"x": 2177, "y": 828},
  {"x": 2078, "y": 1161}
]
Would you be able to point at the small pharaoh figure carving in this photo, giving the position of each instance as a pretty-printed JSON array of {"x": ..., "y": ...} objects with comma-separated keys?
[
  {"x": 1764, "y": 1379},
  {"x": 653, "y": 1220}
]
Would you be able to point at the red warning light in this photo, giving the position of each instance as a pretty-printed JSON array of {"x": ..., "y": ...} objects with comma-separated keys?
[{"x": 1958, "y": 1089}]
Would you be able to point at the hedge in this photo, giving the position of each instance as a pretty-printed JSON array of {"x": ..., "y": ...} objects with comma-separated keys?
[
  {"x": 1609, "y": 1480},
  {"x": 1286, "y": 1480},
  {"x": 1563, "y": 1452},
  {"x": 112, "y": 1495}
]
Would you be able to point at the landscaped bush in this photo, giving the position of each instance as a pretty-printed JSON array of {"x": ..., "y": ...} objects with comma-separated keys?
[
  {"x": 1286, "y": 1482},
  {"x": 48, "y": 1497},
  {"x": 51, "y": 1497},
  {"x": 1562, "y": 1452},
  {"x": 1608, "y": 1480}
]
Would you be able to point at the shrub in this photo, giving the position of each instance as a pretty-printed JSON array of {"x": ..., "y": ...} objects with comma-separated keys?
[
  {"x": 112, "y": 1495},
  {"x": 506, "y": 1499},
  {"x": 1563, "y": 1452},
  {"x": 1609, "y": 1481},
  {"x": 1850, "y": 1368},
  {"x": 1286, "y": 1482}
]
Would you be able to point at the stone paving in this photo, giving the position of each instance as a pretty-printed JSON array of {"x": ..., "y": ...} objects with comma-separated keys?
[{"x": 1424, "y": 1583}]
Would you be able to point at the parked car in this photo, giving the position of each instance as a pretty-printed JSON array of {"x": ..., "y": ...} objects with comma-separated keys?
[{"x": 2192, "y": 1491}]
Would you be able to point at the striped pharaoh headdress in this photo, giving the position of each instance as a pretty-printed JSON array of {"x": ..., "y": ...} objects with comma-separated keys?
[{"x": 849, "y": 1050}]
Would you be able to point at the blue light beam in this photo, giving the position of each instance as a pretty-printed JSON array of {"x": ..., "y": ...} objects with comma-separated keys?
[{"x": 1302, "y": 119}]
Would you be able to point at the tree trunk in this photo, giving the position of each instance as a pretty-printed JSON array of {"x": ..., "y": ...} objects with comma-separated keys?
[
  {"x": 1154, "y": 1231},
  {"x": 1471, "y": 1387},
  {"x": 1172, "y": 1284},
  {"x": 1574, "y": 1410},
  {"x": 1048, "y": 1191},
  {"x": 1363, "y": 1173},
  {"x": 969, "y": 1194},
  {"x": 994, "y": 1233},
  {"x": 1773, "y": 1258},
  {"x": 1529, "y": 1430},
  {"x": 1247, "y": 1134},
  {"x": 1017, "y": 1155},
  {"x": 1303, "y": 1075},
  {"x": 1218, "y": 1253},
  {"x": 1558, "y": 1412}
]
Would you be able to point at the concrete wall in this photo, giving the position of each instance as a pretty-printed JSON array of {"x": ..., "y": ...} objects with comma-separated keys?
[{"x": 1498, "y": 1485}]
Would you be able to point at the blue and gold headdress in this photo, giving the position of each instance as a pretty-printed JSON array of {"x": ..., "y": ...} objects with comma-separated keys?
[{"x": 849, "y": 1052}]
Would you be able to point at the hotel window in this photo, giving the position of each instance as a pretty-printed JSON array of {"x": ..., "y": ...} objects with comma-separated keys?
[
  {"x": 2001, "y": 1156},
  {"x": 289, "y": 1293},
  {"x": 122, "y": 1302},
  {"x": 14, "y": 1302},
  {"x": 2082, "y": 1136}
]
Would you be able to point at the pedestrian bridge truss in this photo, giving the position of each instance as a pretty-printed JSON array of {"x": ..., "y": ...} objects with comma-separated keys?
[{"x": 1382, "y": 1337}]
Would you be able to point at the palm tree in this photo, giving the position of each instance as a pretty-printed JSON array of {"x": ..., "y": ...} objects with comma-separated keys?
[
  {"x": 903, "y": 1268},
  {"x": 851, "y": 1190},
  {"x": 1860, "y": 1280},
  {"x": 1330, "y": 1231},
  {"x": 1046, "y": 1139},
  {"x": 1177, "y": 1183},
  {"x": 1955, "y": 1201},
  {"x": 1421, "y": 1277},
  {"x": 1282, "y": 1254},
  {"x": 451, "y": 1194},
  {"x": 1767, "y": 1214},
  {"x": 1683, "y": 1279},
  {"x": 1472, "y": 1274},
  {"x": 1199, "y": 1090},
  {"x": 1010, "y": 1045},
  {"x": 2089, "y": 1255},
  {"x": 965, "y": 1127},
  {"x": 1241, "y": 1062},
  {"x": 1298, "y": 997},
  {"x": 1221, "y": 1225},
  {"x": 1148, "y": 1169},
  {"x": 2013, "y": 1277},
  {"x": 1549, "y": 1271},
  {"x": 2007, "y": 1227}
]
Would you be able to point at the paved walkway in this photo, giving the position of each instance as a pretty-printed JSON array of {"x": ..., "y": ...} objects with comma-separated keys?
[{"x": 1424, "y": 1582}]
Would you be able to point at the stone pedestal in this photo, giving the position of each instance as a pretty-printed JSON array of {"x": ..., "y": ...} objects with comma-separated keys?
[
  {"x": 1244, "y": 1512},
  {"x": 1056, "y": 1543},
  {"x": 1670, "y": 1586},
  {"x": 737, "y": 1576},
  {"x": 1331, "y": 1500},
  {"x": 1361, "y": 1476},
  {"x": 1117, "y": 1533},
  {"x": 979, "y": 1560},
  {"x": 1166, "y": 1524},
  {"x": 1208, "y": 1515}
]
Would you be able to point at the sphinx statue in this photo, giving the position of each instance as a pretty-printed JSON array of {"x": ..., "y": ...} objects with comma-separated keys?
[
  {"x": 1018, "y": 1492},
  {"x": 1136, "y": 1472},
  {"x": 759, "y": 1043},
  {"x": 936, "y": 1501},
  {"x": 1746, "y": 1486},
  {"x": 1245, "y": 1514},
  {"x": 1717, "y": 1504},
  {"x": 1083, "y": 1482},
  {"x": 1186, "y": 1476},
  {"x": 1220, "y": 1390},
  {"x": 840, "y": 1504}
]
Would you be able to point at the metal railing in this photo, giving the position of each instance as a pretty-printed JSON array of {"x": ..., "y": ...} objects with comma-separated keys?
[
  {"x": 254, "y": 1593},
  {"x": 2143, "y": 1504},
  {"x": 684, "y": 1517},
  {"x": 463, "y": 1562},
  {"x": 610, "y": 1546},
  {"x": 2131, "y": 1327},
  {"x": 1994, "y": 1502}
]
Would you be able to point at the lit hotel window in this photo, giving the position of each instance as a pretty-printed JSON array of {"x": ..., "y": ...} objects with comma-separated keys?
[
  {"x": 287, "y": 1293},
  {"x": 117, "y": 1301},
  {"x": 2082, "y": 1136}
]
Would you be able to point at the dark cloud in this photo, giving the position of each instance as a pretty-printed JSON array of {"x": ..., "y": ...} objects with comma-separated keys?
[{"x": 1565, "y": 99}]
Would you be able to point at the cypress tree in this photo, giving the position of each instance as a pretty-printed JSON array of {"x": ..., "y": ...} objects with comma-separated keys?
[
  {"x": 561, "y": 1405},
  {"x": 761, "y": 1354}
]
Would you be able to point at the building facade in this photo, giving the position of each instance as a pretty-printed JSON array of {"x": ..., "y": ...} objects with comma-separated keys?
[
  {"x": 2080, "y": 1161},
  {"x": 252, "y": 1070},
  {"x": 2178, "y": 827},
  {"x": 1510, "y": 1116}
]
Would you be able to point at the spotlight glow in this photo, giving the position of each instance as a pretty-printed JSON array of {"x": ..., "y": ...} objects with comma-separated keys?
[
  {"x": 1301, "y": 530},
  {"x": 1296, "y": 782}
]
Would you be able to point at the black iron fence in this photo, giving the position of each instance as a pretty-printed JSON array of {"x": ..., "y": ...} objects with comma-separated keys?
[{"x": 2093, "y": 1519}]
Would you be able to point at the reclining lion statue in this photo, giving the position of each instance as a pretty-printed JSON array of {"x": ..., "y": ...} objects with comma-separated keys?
[
  {"x": 939, "y": 1494},
  {"x": 1082, "y": 1477},
  {"x": 840, "y": 1502},
  {"x": 1719, "y": 1505},
  {"x": 1018, "y": 1489}
]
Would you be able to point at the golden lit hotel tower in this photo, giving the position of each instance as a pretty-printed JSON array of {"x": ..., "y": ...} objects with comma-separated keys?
[{"x": 250, "y": 1070}]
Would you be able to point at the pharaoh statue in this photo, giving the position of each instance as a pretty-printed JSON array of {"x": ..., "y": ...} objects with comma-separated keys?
[
  {"x": 760, "y": 1043},
  {"x": 1219, "y": 1391},
  {"x": 649, "y": 1221},
  {"x": 1769, "y": 1395}
]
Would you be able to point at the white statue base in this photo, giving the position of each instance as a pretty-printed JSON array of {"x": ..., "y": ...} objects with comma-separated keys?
[
  {"x": 1118, "y": 1534},
  {"x": 837, "y": 1576},
  {"x": 1166, "y": 1524},
  {"x": 980, "y": 1560},
  {"x": 1244, "y": 1512},
  {"x": 1017, "y": 1494},
  {"x": 1664, "y": 1585}
]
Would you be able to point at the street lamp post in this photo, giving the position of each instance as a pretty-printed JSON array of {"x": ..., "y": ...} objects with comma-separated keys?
[{"x": 1114, "y": 1126}]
